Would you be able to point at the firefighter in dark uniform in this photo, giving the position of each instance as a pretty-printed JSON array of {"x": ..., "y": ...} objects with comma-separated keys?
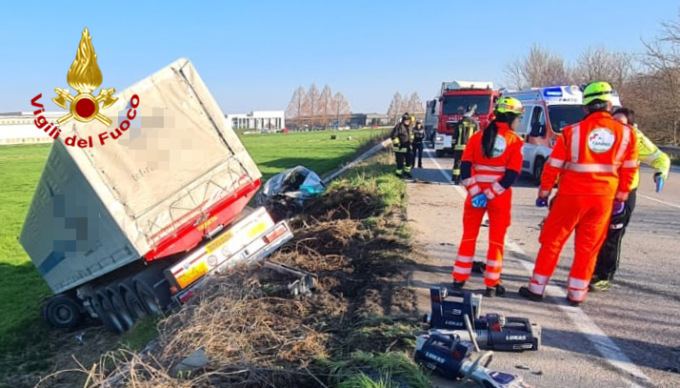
[
  {"x": 463, "y": 130},
  {"x": 402, "y": 137}
]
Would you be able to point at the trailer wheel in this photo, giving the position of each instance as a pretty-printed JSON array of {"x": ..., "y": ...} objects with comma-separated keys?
[
  {"x": 538, "y": 169},
  {"x": 132, "y": 302},
  {"x": 155, "y": 297},
  {"x": 62, "y": 312},
  {"x": 439, "y": 153},
  {"x": 119, "y": 307},
  {"x": 107, "y": 314}
]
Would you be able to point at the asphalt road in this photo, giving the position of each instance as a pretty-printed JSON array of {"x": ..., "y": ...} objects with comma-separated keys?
[{"x": 626, "y": 337}]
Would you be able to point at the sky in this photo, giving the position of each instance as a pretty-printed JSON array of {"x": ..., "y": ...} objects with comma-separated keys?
[{"x": 253, "y": 54}]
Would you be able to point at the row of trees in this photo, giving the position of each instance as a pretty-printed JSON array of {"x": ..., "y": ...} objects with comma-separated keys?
[
  {"x": 317, "y": 109},
  {"x": 401, "y": 104},
  {"x": 647, "y": 82}
]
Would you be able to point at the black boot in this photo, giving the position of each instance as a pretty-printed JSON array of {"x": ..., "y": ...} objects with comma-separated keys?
[
  {"x": 496, "y": 290},
  {"x": 525, "y": 293},
  {"x": 457, "y": 286},
  {"x": 478, "y": 267}
]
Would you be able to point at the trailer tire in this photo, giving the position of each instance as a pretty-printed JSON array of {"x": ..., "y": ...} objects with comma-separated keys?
[
  {"x": 119, "y": 307},
  {"x": 439, "y": 153},
  {"x": 107, "y": 314},
  {"x": 132, "y": 302},
  {"x": 154, "y": 298},
  {"x": 62, "y": 312},
  {"x": 538, "y": 169}
]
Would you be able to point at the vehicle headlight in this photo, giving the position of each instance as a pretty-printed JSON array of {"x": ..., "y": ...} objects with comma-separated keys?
[{"x": 439, "y": 138}]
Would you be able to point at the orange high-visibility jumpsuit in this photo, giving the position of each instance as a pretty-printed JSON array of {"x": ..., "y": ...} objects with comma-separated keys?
[
  {"x": 486, "y": 175},
  {"x": 596, "y": 161}
]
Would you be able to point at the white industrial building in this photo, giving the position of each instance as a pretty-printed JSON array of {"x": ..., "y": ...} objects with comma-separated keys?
[
  {"x": 19, "y": 128},
  {"x": 259, "y": 119}
]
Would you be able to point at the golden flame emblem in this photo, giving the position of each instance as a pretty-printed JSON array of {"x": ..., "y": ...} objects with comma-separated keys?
[{"x": 85, "y": 76}]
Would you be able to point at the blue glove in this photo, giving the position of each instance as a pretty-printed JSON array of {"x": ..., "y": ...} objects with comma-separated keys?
[
  {"x": 479, "y": 201},
  {"x": 659, "y": 182},
  {"x": 541, "y": 202},
  {"x": 618, "y": 208}
]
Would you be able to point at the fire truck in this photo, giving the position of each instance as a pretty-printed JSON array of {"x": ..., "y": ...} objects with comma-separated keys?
[
  {"x": 547, "y": 110},
  {"x": 456, "y": 98}
]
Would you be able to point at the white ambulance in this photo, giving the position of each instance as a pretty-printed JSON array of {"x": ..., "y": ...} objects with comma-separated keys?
[{"x": 547, "y": 111}]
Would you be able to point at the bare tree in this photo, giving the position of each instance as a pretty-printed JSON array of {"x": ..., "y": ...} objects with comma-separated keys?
[
  {"x": 340, "y": 107},
  {"x": 298, "y": 106},
  {"x": 415, "y": 106},
  {"x": 515, "y": 75},
  {"x": 539, "y": 68},
  {"x": 396, "y": 107},
  {"x": 596, "y": 63},
  {"x": 313, "y": 96},
  {"x": 325, "y": 101},
  {"x": 662, "y": 86}
]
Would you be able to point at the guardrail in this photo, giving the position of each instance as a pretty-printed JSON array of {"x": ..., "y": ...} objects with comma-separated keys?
[{"x": 670, "y": 150}]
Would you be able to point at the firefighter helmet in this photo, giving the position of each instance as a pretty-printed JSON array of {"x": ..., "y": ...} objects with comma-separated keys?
[
  {"x": 509, "y": 105},
  {"x": 597, "y": 91}
]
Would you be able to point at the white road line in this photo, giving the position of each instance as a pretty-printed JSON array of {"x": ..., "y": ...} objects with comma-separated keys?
[
  {"x": 604, "y": 345},
  {"x": 660, "y": 201}
]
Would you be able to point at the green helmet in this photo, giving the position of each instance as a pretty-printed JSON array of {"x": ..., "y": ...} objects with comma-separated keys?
[
  {"x": 509, "y": 105},
  {"x": 597, "y": 91}
]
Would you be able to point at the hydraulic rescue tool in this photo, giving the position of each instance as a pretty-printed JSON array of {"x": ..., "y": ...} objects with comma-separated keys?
[
  {"x": 461, "y": 317},
  {"x": 449, "y": 357}
]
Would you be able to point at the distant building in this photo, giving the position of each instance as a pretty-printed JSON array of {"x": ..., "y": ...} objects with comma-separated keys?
[
  {"x": 272, "y": 120},
  {"x": 358, "y": 120},
  {"x": 19, "y": 128}
]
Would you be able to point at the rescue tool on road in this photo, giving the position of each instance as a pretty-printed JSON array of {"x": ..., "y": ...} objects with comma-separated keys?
[
  {"x": 490, "y": 331},
  {"x": 450, "y": 357}
]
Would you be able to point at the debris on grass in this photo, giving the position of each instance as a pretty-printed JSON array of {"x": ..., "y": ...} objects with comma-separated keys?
[{"x": 356, "y": 329}]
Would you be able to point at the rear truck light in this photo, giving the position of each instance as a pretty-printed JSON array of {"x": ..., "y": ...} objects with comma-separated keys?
[
  {"x": 276, "y": 233},
  {"x": 173, "y": 290},
  {"x": 186, "y": 296}
]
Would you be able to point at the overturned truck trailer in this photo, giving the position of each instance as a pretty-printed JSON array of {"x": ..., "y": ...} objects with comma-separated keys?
[{"x": 124, "y": 228}]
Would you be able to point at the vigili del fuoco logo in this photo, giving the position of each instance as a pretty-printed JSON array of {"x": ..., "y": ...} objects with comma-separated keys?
[{"x": 84, "y": 76}]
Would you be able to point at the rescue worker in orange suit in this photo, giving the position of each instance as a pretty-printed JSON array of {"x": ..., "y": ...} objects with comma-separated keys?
[
  {"x": 596, "y": 161},
  {"x": 491, "y": 163},
  {"x": 610, "y": 253}
]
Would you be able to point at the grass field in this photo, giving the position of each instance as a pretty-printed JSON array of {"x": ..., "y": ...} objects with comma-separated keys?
[
  {"x": 22, "y": 288},
  {"x": 314, "y": 150}
]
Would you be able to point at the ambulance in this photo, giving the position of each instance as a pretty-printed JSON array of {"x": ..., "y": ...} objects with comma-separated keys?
[{"x": 547, "y": 110}]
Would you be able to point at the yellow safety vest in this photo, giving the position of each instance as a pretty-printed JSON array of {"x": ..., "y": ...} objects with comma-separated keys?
[{"x": 650, "y": 154}]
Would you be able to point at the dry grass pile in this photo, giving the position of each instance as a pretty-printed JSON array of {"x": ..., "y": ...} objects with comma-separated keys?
[{"x": 254, "y": 334}]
